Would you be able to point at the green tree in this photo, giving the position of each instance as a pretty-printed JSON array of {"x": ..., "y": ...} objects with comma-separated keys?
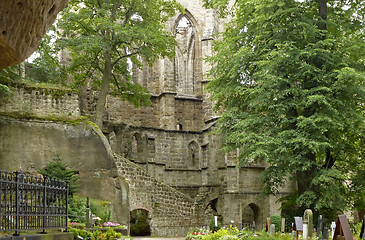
[
  {"x": 46, "y": 66},
  {"x": 57, "y": 169},
  {"x": 105, "y": 37},
  {"x": 289, "y": 78}
]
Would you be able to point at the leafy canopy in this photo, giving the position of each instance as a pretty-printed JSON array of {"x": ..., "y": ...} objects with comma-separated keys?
[
  {"x": 125, "y": 33},
  {"x": 291, "y": 86}
]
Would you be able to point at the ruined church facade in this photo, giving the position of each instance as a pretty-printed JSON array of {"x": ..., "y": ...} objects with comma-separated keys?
[{"x": 172, "y": 140}]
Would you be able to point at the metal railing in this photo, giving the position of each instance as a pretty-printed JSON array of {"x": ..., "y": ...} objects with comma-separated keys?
[{"x": 32, "y": 202}]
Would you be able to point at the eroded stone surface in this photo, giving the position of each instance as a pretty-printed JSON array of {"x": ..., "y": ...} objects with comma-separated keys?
[{"x": 23, "y": 24}]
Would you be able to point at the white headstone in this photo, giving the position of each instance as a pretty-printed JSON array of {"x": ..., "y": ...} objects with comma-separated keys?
[
  {"x": 305, "y": 231},
  {"x": 272, "y": 229},
  {"x": 216, "y": 221},
  {"x": 333, "y": 226}
]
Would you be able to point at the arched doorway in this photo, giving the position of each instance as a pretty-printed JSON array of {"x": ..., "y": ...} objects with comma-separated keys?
[
  {"x": 140, "y": 223},
  {"x": 250, "y": 213}
]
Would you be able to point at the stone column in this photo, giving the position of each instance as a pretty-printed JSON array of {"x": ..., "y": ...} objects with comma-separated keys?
[{"x": 167, "y": 112}]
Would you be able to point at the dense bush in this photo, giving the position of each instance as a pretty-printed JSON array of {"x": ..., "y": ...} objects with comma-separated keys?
[
  {"x": 212, "y": 226},
  {"x": 276, "y": 220}
]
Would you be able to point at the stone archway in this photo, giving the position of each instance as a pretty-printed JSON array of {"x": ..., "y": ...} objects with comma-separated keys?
[
  {"x": 250, "y": 213},
  {"x": 140, "y": 223}
]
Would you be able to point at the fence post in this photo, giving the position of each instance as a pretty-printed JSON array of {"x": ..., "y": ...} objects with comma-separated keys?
[
  {"x": 44, "y": 204},
  {"x": 17, "y": 207},
  {"x": 67, "y": 186}
]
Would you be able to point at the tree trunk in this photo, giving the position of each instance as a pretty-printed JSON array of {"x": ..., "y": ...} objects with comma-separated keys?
[
  {"x": 100, "y": 104},
  {"x": 322, "y": 7}
]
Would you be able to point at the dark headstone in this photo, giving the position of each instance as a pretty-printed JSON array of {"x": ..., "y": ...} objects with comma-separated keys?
[
  {"x": 321, "y": 226},
  {"x": 342, "y": 230},
  {"x": 325, "y": 233}
]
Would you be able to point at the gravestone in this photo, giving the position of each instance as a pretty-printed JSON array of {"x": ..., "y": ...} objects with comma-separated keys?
[
  {"x": 298, "y": 226},
  {"x": 307, "y": 224},
  {"x": 342, "y": 230},
  {"x": 254, "y": 228},
  {"x": 267, "y": 224},
  {"x": 282, "y": 225},
  {"x": 362, "y": 233},
  {"x": 272, "y": 229},
  {"x": 333, "y": 226},
  {"x": 322, "y": 231}
]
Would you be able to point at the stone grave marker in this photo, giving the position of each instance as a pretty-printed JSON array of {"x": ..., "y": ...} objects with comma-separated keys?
[
  {"x": 307, "y": 224},
  {"x": 342, "y": 230},
  {"x": 298, "y": 226},
  {"x": 322, "y": 231},
  {"x": 254, "y": 228},
  {"x": 282, "y": 225},
  {"x": 268, "y": 224},
  {"x": 333, "y": 226},
  {"x": 362, "y": 233},
  {"x": 272, "y": 229}
]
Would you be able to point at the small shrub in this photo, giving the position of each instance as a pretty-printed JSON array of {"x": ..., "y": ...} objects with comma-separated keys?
[
  {"x": 212, "y": 226},
  {"x": 276, "y": 219}
]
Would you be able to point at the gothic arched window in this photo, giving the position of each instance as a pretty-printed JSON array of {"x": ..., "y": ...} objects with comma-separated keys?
[{"x": 185, "y": 56}]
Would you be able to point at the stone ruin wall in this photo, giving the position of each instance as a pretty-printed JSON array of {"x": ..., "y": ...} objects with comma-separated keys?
[
  {"x": 171, "y": 213},
  {"x": 42, "y": 102}
]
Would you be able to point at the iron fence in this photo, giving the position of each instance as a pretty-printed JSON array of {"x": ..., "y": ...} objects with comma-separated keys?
[{"x": 32, "y": 202}]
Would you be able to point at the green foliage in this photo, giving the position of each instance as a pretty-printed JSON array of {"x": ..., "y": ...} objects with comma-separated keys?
[
  {"x": 77, "y": 209},
  {"x": 57, "y": 169},
  {"x": 8, "y": 76},
  {"x": 293, "y": 95},
  {"x": 212, "y": 226},
  {"x": 233, "y": 233},
  {"x": 95, "y": 235},
  {"x": 139, "y": 223},
  {"x": 276, "y": 219},
  {"x": 109, "y": 235},
  {"x": 46, "y": 67},
  {"x": 87, "y": 235},
  {"x": 99, "y": 208},
  {"x": 105, "y": 38}
]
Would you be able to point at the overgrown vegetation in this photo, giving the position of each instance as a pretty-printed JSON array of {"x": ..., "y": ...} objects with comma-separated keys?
[
  {"x": 57, "y": 169},
  {"x": 110, "y": 234},
  {"x": 232, "y": 233},
  {"x": 99, "y": 208},
  {"x": 288, "y": 77}
]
